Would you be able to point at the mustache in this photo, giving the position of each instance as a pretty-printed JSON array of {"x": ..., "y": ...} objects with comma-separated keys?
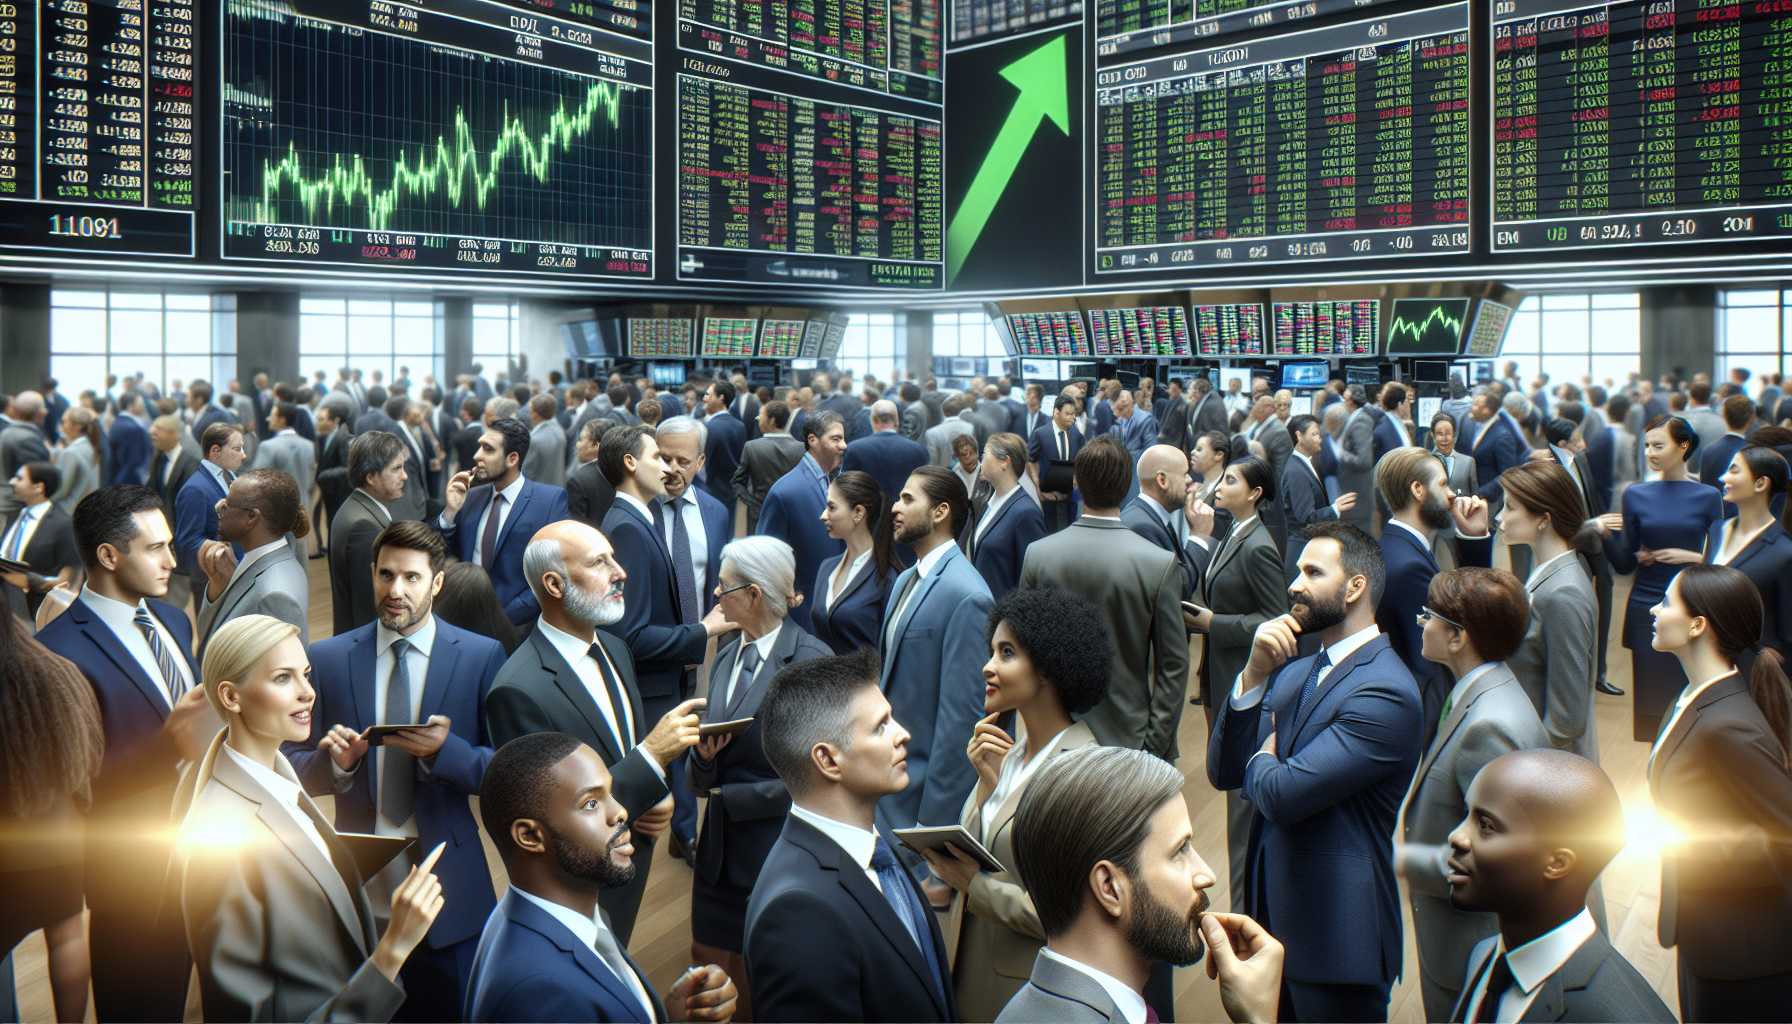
[{"x": 616, "y": 839}]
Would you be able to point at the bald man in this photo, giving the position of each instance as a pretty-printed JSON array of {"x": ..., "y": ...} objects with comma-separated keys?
[
  {"x": 1541, "y": 826},
  {"x": 1166, "y": 514},
  {"x": 21, "y": 442},
  {"x": 884, "y": 453}
]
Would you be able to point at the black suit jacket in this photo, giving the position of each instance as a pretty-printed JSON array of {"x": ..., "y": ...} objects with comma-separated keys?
[
  {"x": 52, "y": 547},
  {"x": 351, "y": 561},
  {"x": 1143, "y": 519},
  {"x": 589, "y": 495},
  {"x": 182, "y": 470},
  {"x": 332, "y": 469},
  {"x": 824, "y": 945},
  {"x": 465, "y": 443},
  {"x": 1596, "y": 983}
]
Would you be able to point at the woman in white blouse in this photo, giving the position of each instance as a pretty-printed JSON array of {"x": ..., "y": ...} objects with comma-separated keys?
[
  {"x": 847, "y": 604},
  {"x": 1049, "y": 652}
]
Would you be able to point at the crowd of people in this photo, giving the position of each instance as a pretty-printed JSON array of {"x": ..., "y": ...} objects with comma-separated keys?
[{"x": 915, "y": 730}]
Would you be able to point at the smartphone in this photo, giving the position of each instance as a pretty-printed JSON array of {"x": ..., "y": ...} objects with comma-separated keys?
[{"x": 376, "y": 734}]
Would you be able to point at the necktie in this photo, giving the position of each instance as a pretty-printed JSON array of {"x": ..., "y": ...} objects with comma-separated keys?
[
  {"x": 749, "y": 667},
  {"x": 1063, "y": 447},
  {"x": 18, "y": 534},
  {"x": 1498, "y": 981},
  {"x": 170, "y": 669},
  {"x": 610, "y": 953},
  {"x": 901, "y": 601},
  {"x": 618, "y": 707},
  {"x": 488, "y": 538},
  {"x": 1151, "y": 1016},
  {"x": 397, "y": 784},
  {"x": 899, "y": 892},
  {"x": 684, "y": 572},
  {"x": 229, "y": 478},
  {"x": 1312, "y": 682}
]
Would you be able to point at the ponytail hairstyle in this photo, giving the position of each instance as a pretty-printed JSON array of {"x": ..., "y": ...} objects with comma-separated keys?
[
  {"x": 1680, "y": 433},
  {"x": 1769, "y": 465},
  {"x": 87, "y": 423},
  {"x": 1731, "y": 605},
  {"x": 859, "y": 489}
]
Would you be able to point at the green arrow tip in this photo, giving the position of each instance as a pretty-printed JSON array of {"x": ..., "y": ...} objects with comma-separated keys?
[{"x": 1044, "y": 82}]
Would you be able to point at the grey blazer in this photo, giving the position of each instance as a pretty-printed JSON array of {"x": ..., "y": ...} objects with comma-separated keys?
[
  {"x": 80, "y": 471},
  {"x": 1493, "y": 716},
  {"x": 939, "y": 440},
  {"x": 1463, "y": 480},
  {"x": 278, "y": 932},
  {"x": 1245, "y": 587},
  {"x": 1596, "y": 983},
  {"x": 1056, "y": 994},
  {"x": 1356, "y": 468},
  {"x": 292, "y": 455},
  {"x": 545, "y": 461},
  {"x": 1138, "y": 587},
  {"x": 276, "y": 584},
  {"x": 763, "y": 461},
  {"x": 1555, "y": 661}
]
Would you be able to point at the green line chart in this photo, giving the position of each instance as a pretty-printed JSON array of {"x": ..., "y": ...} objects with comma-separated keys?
[{"x": 1426, "y": 326}]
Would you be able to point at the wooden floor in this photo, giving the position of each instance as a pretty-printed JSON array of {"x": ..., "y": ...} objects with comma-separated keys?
[{"x": 662, "y": 934}]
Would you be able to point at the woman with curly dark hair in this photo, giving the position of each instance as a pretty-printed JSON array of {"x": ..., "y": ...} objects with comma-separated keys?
[{"x": 1049, "y": 658}]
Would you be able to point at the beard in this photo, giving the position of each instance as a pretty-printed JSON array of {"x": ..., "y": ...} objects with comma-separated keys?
[
  {"x": 400, "y": 623},
  {"x": 1318, "y": 614},
  {"x": 914, "y": 532},
  {"x": 1157, "y": 932},
  {"x": 592, "y": 865},
  {"x": 1435, "y": 512},
  {"x": 592, "y": 608}
]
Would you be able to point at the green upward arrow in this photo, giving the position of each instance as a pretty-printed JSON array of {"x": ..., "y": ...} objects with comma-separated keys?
[{"x": 1042, "y": 79}]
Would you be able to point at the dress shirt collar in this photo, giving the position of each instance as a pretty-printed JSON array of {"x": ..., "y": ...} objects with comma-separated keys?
[
  {"x": 513, "y": 491},
  {"x": 285, "y": 790},
  {"x": 1537, "y": 573},
  {"x": 1468, "y": 680},
  {"x": 114, "y": 613},
  {"x": 582, "y": 927},
  {"x": 996, "y": 504},
  {"x": 637, "y": 504},
  {"x": 1243, "y": 525},
  {"x": 570, "y": 647},
  {"x": 925, "y": 564},
  {"x": 422, "y": 641},
  {"x": 1691, "y": 693},
  {"x": 1534, "y": 962},
  {"x": 1305, "y": 461},
  {"x": 37, "y": 511},
  {"x": 217, "y": 473},
  {"x": 858, "y": 843},
  {"x": 1346, "y": 647},
  {"x": 251, "y": 556},
  {"x": 810, "y": 466},
  {"x": 687, "y": 498},
  {"x": 286, "y": 432},
  {"x": 1424, "y": 541},
  {"x": 1130, "y": 1004},
  {"x": 767, "y": 642}
]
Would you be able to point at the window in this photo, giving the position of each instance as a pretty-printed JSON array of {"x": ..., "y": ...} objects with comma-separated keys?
[
  {"x": 368, "y": 334},
  {"x": 875, "y": 343},
  {"x": 968, "y": 332},
  {"x": 495, "y": 331},
  {"x": 1751, "y": 331},
  {"x": 165, "y": 336},
  {"x": 1576, "y": 337}
]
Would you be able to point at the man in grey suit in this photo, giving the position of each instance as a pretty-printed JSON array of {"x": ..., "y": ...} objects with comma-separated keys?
[
  {"x": 21, "y": 441},
  {"x": 545, "y": 461},
  {"x": 914, "y": 412},
  {"x": 766, "y": 458},
  {"x": 1079, "y": 817},
  {"x": 1206, "y": 410},
  {"x": 939, "y": 438},
  {"x": 286, "y": 451},
  {"x": 1139, "y": 587},
  {"x": 1460, "y": 473},
  {"x": 376, "y": 468},
  {"x": 1488, "y": 714},
  {"x": 1356, "y": 459},
  {"x": 1548, "y": 803},
  {"x": 261, "y": 508}
]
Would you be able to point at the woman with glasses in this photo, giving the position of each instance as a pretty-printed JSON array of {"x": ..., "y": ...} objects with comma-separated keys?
[
  {"x": 1472, "y": 621},
  {"x": 1755, "y": 543},
  {"x": 756, "y": 588}
]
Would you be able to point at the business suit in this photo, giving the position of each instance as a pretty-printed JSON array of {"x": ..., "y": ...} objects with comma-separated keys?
[
  {"x": 332, "y": 471},
  {"x": 1387, "y": 435},
  {"x": 1715, "y": 461},
  {"x": 1496, "y": 447},
  {"x": 850, "y": 621},
  {"x": 1554, "y": 662},
  {"x": 1459, "y": 471},
  {"x": 1304, "y": 504},
  {"x": 357, "y": 523},
  {"x": 1596, "y": 983},
  {"x": 1320, "y": 860},
  {"x": 998, "y": 547},
  {"x": 746, "y": 409},
  {"x": 545, "y": 461},
  {"x": 415, "y": 503},
  {"x": 1599, "y": 567},
  {"x": 1767, "y": 562},
  {"x": 140, "y": 962},
  {"x": 1043, "y": 451},
  {"x": 747, "y": 800},
  {"x": 1410, "y": 568},
  {"x": 792, "y": 513},
  {"x": 128, "y": 451},
  {"x": 823, "y": 944},
  {"x": 52, "y": 547},
  {"x": 1145, "y": 517},
  {"x": 1718, "y": 773},
  {"x": 530, "y": 967},
  {"x": 939, "y": 439},
  {"x": 722, "y": 450},
  {"x": 588, "y": 495},
  {"x": 1057, "y": 994},
  {"x": 1138, "y": 588},
  {"x": 196, "y": 521},
  {"x": 537, "y": 691},
  {"x": 278, "y": 931},
  {"x": 293, "y": 455},
  {"x": 168, "y": 484},
  {"x": 660, "y": 642},
  {"x": 274, "y": 584},
  {"x": 888, "y": 457},
  {"x": 763, "y": 462},
  {"x": 933, "y": 654},
  {"x": 915, "y": 420},
  {"x": 1027, "y": 421},
  {"x": 1172, "y": 423},
  {"x": 1602, "y": 457},
  {"x": 1356, "y": 468},
  {"x": 992, "y": 931},
  {"x": 1205, "y": 414},
  {"x": 537, "y": 505},
  {"x": 20, "y": 442},
  {"x": 1491, "y": 717}
]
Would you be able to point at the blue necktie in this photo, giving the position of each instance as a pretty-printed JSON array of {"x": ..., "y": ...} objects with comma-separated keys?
[
  {"x": 165, "y": 663},
  {"x": 1312, "y": 682},
  {"x": 18, "y": 535},
  {"x": 899, "y": 892},
  {"x": 683, "y": 572}
]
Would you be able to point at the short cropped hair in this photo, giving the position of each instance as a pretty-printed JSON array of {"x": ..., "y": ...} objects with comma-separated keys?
[
  {"x": 412, "y": 535},
  {"x": 516, "y": 438},
  {"x": 1738, "y": 410},
  {"x": 371, "y": 453},
  {"x": 808, "y": 703},
  {"x": 516, "y": 783},
  {"x": 1103, "y": 472},
  {"x": 1360, "y": 554},
  {"x": 216, "y": 436},
  {"x": 617, "y": 443},
  {"x": 107, "y": 516},
  {"x": 1491, "y": 605},
  {"x": 819, "y": 424}
]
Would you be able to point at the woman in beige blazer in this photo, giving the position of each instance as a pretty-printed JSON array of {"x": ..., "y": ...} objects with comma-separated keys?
[
  {"x": 276, "y": 920},
  {"x": 1049, "y": 654}
]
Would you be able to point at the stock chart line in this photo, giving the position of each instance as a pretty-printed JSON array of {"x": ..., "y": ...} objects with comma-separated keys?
[
  {"x": 451, "y": 168},
  {"x": 1417, "y": 331}
]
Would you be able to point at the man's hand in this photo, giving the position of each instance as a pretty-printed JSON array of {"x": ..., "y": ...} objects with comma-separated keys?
[
  {"x": 1345, "y": 502},
  {"x": 1471, "y": 516},
  {"x": 715, "y": 622},
  {"x": 456, "y": 495},
  {"x": 653, "y": 822},
  {"x": 1247, "y": 962},
  {"x": 709, "y": 746},
  {"x": 675, "y": 733},
  {"x": 703, "y": 994},
  {"x": 345, "y": 746},
  {"x": 424, "y": 742},
  {"x": 1273, "y": 645},
  {"x": 1610, "y": 523},
  {"x": 191, "y": 723},
  {"x": 1199, "y": 515},
  {"x": 217, "y": 561}
]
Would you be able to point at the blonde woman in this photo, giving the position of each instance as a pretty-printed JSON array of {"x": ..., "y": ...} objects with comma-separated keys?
[{"x": 276, "y": 920}]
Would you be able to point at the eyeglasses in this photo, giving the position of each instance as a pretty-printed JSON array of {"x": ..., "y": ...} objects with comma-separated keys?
[
  {"x": 720, "y": 593},
  {"x": 1426, "y": 615}
]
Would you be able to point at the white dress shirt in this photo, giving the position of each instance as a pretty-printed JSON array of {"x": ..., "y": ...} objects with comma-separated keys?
[
  {"x": 858, "y": 843},
  {"x": 764, "y": 645},
  {"x": 410, "y": 440},
  {"x": 637, "y": 504},
  {"x": 509, "y": 494},
  {"x": 968, "y": 477},
  {"x": 118, "y": 616},
  {"x": 1337, "y": 652},
  {"x": 1687, "y": 696},
  {"x": 286, "y": 795},
  {"x": 24, "y": 528},
  {"x": 251, "y": 556},
  {"x": 586, "y": 930},
  {"x": 923, "y": 566},
  {"x": 1130, "y": 1004},
  {"x": 693, "y": 526},
  {"x": 1015, "y": 773},
  {"x": 577, "y": 653},
  {"x": 991, "y": 511},
  {"x": 845, "y": 573},
  {"x": 1532, "y": 964},
  {"x": 217, "y": 473},
  {"x": 386, "y": 511}
]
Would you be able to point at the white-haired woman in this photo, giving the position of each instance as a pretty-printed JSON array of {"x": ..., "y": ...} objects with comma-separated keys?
[
  {"x": 276, "y": 920},
  {"x": 756, "y": 588}
]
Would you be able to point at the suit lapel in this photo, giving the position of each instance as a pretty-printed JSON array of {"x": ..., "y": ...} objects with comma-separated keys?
[
  {"x": 1334, "y": 684},
  {"x": 526, "y": 914},
  {"x": 1489, "y": 680},
  {"x": 362, "y": 655},
  {"x": 1232, "y": 545},
  {"x": 876, "y": 907},
  {"x": 516, "y": 514},
  {"x": 440, "y": 673},
  {"x": 747, "y": 694},
  {"x": 103, "y": 639},
  {"x": 573, "y": 689},
  {"x": 1767, "y": 539},
  {"x": 1689, "y": 720},
  {"x": 922, "y": 587}
]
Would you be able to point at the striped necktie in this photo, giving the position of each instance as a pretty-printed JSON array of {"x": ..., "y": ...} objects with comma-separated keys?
[{"x": 172, "y": 680}]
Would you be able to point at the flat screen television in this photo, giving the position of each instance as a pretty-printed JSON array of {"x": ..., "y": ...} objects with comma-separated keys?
[
  {"x": 1305, "y": 375},
  {"x": 1367, "y": 375}
]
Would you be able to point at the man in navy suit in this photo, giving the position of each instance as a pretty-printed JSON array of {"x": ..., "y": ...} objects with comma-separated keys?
[
  {"x": 1160, "y": 513},
  {"x": 792, "y": 509},
  {"x": 1390, "y": 426},
  {"x": 1055, "y": 442},
  {"x": 1324, "y": 747},
  {"x": 127, "y": 448},
  {"x": 491, "y": 512},
  {"x": 199, "y": 399},
  {"x": 196, "y": 506},
  {"x": 1017, "y": 412},
  {"x": 1495, "y": 442},
  {"x": 885, "y": 453},
  {"x": 1304, "y": 500},
  {"x": 836, "y": 929},
  {"x": 409, "y": 667},
  {"x": 547, "y": 952},
  {"x": 725, "y": 438},
  {"x": 136, "y": 651}
]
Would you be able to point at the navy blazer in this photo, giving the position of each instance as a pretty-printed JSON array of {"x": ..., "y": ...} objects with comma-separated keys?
[
  {"x": 1321, "y": 853},
  {"x": 727, "y": 436},
  {"x": 1500, "y": 450},
  {"x": 1042, "y": 447},
  {"x": 462, "y": 666},
  {"x": 657, "y": 637},
  {"x": 889, "y": 458},
  {"x": 792, "y": 513},
  {"x": 997, "y": 556},
  {"x": 531, "y": 968},
  {"x": 851, "y": 622},
  {"x": 1387, "y": 436},
  {"x": 1410, "y": 567},
  {"x": 824, "y": 945},
  {"x": 196, "y": 520},
  {"x": 1767, "y": 562},
  {"x": 1141, "y": 517},
  {"x": 536, "y": 506},
  {"x": 1304, "y": 503},
  {"x": 1600, "y": 457},
  {"x": 127, "y": 452},
  {"x": 1715, "y": 460}
]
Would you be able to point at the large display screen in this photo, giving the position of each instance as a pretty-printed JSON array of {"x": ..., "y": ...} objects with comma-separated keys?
[
  {"x": 1328, "y": 327},
  {"x": 1057, "y": 333},
  {"x": 474, "y": 135},
  {"x": 1229, "y": 329},
  {"x": 1348, "y": 142},
  {"x": 1640, "y": 123},
  {"x": 974, "y": 21},
  {"x": 1491, "y": 320},
  {"x": 776, "y": 188},
  {"x": 729, "y": 337},
  {"x": 99, "y": 125},
  {"x": 1122, "y": 26},
  {"x": 892, "y": 46},
  {"x": 661, "y": 338},
  {"x": 1427, "y": 327},
  {"x": 781, "y": 339},
  {"x": 1152, "y": 332}
]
